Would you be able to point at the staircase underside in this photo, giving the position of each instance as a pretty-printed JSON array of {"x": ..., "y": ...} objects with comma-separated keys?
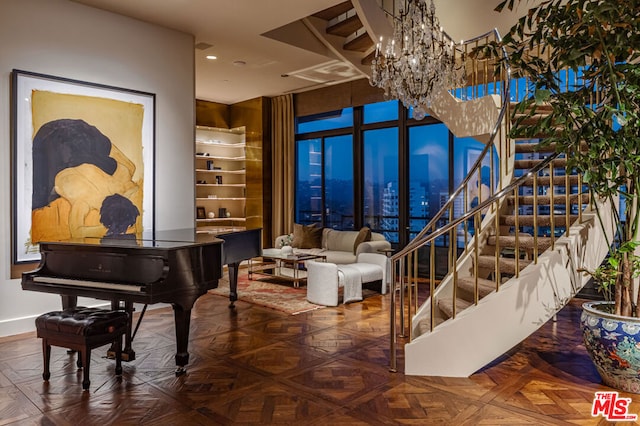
[{"x": 480, "y": 334}]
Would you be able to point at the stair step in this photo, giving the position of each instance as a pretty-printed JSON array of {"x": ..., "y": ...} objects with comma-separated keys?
[
  {"x": 424, "y": 325},
  {"x": 368, "y": 60},
  {"x": 507, "y": 264},
  {"x": 524, "y": 148},
  {"x": 524, "y": 120},
  {"x": 526, "y": 242},
  {"x": 558, "y": 199},
  {"x": 542, "y": 107},
  {"x": 528, "y": 148},
  {"x": 362, "y": 43},
  {"x": 467, "y": 285},
  {"x": 543, "y": 220},
  {"x": 557, "y": 180},
  {"x": 558, "y": 163},
  {"x": 334, "y": 11},
  {"x": 446, "y": 306},
  {"x": 345, "y": 27}
]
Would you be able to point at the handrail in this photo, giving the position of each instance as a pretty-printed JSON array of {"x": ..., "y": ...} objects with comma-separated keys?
[
  {"x": 490, "y": 220},
  {"x": 491, "y": 200},
  {"x": 405, "y": 257}
]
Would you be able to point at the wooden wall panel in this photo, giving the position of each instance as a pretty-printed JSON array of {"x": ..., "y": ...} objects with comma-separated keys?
[
  {"x": 212, "y": 114},
  {"x": 255, "y": 114},
  {"x": 331, "y": 98}
]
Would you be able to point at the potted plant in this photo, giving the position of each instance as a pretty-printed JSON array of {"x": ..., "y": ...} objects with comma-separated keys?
[{"x": 596, "y": 124}]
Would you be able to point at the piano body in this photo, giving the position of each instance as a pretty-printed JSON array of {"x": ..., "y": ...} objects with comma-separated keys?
[
  {"x": 239, "y": 246},
  {"x": 175, "y": 267}
]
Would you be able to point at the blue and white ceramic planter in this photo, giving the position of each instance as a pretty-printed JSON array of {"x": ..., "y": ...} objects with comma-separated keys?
[{"x": 613, "y": 342}]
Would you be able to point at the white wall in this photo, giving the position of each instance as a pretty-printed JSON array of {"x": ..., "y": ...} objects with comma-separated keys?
[{"x": 66, "y": 39}]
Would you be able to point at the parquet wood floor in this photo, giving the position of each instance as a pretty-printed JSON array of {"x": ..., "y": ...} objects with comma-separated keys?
[{"x": 253, "y": 365}]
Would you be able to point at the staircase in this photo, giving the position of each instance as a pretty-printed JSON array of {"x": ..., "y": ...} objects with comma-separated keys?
[
  {"x": 531, "y": 238},
  {"x": 343, "y": 31},
  {"x": 513, "y": 260},
  {"x": 520, "y": 267}
]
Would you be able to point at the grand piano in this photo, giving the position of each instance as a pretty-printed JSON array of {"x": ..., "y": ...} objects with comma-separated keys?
[{"x": 175, "y": 267}]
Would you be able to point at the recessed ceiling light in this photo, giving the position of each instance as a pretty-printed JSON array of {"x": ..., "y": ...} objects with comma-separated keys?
[
  {"x": 239, "y": 63},
  {"x": 212, "y": 57}
]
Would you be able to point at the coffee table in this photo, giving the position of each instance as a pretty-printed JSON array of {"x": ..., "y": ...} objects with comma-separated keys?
[{"x": 284, "y": 266}]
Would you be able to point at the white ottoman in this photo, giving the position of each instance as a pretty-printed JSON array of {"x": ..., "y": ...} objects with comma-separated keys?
[{"x": 324, "y": 279}]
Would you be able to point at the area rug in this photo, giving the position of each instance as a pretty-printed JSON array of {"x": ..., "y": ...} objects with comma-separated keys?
[{"x": 264, "y": 292}]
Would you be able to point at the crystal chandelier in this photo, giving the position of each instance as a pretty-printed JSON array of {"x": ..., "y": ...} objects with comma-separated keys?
[{"x": 419, "y": 59}]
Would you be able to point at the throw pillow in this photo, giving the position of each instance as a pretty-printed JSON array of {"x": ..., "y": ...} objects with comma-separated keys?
[
  {"x": 306, "y": 237},
  {"x": 313, "y": 237},
  {"x": 363, "y": 235}
]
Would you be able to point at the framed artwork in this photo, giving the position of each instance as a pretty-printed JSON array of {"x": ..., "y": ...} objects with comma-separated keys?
[
  {"x": 82, "y": 161},
  {"x": 200, "y": 213}
]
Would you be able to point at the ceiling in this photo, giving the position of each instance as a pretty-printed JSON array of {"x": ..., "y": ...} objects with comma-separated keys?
[{"x": 250, "y": 64}]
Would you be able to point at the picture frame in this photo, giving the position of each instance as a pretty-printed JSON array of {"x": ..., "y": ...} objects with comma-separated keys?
[
  {"x": 79, "y": 148},
  {"x": 201, "y": 213}
]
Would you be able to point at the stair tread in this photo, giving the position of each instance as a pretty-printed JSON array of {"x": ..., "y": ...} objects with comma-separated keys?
[
  {"x": 446, "y": 306},
  {"x": 527, "y": 242},
  {"x": 558, "y": 199},
  {"x": 362, "y": 43},
  {"x": 507, "y": 264},
  {"x": 546, "y": 180},
  {"x": 484, "y": 286},
  {"x": 334, "y": 11},
  {"x": 345, "y": 27},
  {"x": 543, "y": 220},
  {"x": 532, "y": 162}
]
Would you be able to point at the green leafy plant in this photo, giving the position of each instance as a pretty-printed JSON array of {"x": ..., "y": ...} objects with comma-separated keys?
[{"x": 594, "y": 122}]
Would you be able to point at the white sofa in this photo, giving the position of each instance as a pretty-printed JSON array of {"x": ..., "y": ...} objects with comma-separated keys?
[
  {"x": 338, "y": 246},
  {"x": 325, "y": 279}
]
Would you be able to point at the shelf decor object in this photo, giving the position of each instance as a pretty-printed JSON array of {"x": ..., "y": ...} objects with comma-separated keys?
[{"x": 220, "y": 166}]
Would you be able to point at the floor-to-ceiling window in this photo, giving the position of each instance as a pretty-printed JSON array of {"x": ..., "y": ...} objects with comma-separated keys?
[
  {"x": 324, "y": 170},
  {"x": 375, "y": 166},
  {"x": 337, "y": 153},
  {"x": 380, "y": 189},
  {"x": 429, "y": 184}
]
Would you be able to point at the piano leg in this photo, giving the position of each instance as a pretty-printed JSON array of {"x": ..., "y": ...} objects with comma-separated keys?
[
  {"x": 182, "y": 319},
  {"x": 233, "y": 283},
  {"x": 69, "y": 301},
  {"x": 128, "y": 354}
]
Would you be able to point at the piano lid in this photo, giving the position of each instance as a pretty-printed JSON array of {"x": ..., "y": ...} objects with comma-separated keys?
[{"x": 168, "y": 239}]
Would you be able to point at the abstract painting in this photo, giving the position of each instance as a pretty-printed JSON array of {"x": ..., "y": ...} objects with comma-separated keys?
[{"x": 83, "y": 161}]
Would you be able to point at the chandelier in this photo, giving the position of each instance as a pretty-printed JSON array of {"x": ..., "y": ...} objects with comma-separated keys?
[{"x": 419, "y": 59}]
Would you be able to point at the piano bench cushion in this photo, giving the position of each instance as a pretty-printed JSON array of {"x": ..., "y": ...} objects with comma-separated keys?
[{"x": 82, "y": 321}]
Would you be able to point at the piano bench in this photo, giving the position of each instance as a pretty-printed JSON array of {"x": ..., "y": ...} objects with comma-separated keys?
[{"x": 82, "y": 329}]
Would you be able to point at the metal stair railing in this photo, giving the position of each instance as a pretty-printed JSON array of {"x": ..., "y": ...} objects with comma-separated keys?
[
  {"x": 405, "y": 262},
  {"x": 404, "y": 257},
  {"x": 445, "y": 225}
]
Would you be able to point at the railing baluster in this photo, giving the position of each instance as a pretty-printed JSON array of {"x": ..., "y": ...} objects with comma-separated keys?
[
  {"x": 535, "y": 217},
  {"x": 415, "y": 278},
  {"x": 476, "y": 256},
  {"x": 516, "y": 209},
  {"x": 410, "y": 259},
  {"x": 401, "y": 296},
  {"x": 552, "y": 206},
  {"x": 567, "y": 202},
  {"x": 432, "y": 282},
  {"x": 393, "y": 360}
]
